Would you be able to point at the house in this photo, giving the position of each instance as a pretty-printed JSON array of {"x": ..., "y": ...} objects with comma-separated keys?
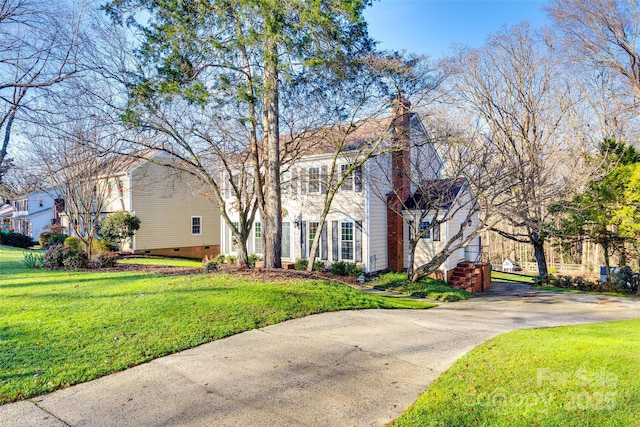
[
  {"x": 450, "y": 200},
  {"x": 32, "y": 213},
  {"x": 6, "y": 212},
  {"x": 177, "y": 218},
  {"x": 361, "y": 226}
]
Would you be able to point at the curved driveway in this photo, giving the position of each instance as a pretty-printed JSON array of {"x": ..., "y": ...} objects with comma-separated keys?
[{"x": 352, "y": 368}]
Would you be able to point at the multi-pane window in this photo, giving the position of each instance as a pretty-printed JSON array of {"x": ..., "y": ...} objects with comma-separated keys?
[
  {"x": 425, "y": 229},
  {"x": 313, "y": 229},
  {"x": 314, "y": 180},
  {"x": 196, "y": 225},
  {"x": 347, "y": 184},
  {"x": 285, "y": 182},
  {"x": 346, "y": 241},
  {"x": 257, "y": 244}
]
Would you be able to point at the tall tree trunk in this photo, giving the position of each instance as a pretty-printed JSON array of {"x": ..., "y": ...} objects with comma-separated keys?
[
  {"x": 607, "y": 260},
  {"x": 538, "y": 252},
  {"x": 411, "y": 261},
  {"x": 271, "y": 212}
]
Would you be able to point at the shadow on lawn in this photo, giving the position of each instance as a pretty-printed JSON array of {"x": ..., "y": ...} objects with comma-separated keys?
[{"x": 73, "y": 280}]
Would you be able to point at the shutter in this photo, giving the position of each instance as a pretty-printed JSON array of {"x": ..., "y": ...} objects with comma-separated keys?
[
  {"x": 303, "y": 181},
  {"x": 358, "y": 241},
  {"x": 334, "y": 240},
  {"x": 324, "y": 250},
  {"x": 303, "y": 239},
  {"x": 436, "y": 232},
  {"x": 323, "y": 179},
  {"x": 357, "y": 179}
]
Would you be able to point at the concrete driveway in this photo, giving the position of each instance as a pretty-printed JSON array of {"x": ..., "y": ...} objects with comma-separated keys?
[{"x": 353, "y": 368}]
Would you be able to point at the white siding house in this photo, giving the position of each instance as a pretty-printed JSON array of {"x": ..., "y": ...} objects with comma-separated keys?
[
  {"x": 357, "y": 227},
  {"x": 32, "y": 213}
]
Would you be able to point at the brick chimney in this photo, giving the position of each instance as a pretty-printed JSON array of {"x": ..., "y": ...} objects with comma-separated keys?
[{"x": 401, "y": 182}]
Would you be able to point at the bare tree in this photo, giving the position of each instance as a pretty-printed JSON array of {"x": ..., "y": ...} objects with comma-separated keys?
[
  {"x": 602, "y": 34},
  {"x": 77, "y": 163},
  {"x": 39, "y": 47},
  {"x": 512, "y": 90}
]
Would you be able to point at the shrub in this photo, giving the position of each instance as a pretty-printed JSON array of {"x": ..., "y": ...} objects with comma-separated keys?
[
  {"x": 44, "y": 237},
  {"x": 99, "y": 246},
  {"x": 119, "y": 227},
  {"x": 104, "y": 260},
  {"x": 230, "y": 259},
  {"x": 49, "y": 238},
  {"x": 252, "y": 259},
  {"x": 353, "y": 269},
  {"x": 301, "y": 264},
  {"x": 16, "y": 240},
  {"x": 73, "y": 242},
  {"x": 624, "y": 280},
  {"x": 32, "y": 260},
  {"x": 219, "y": 259},
  {"x": 319, "y": 266},
  {"x": 64, "y": 256},
  {"x": 55, "y": 256},
  {"x": 341, "y": 268},
  {"x": 76, "y": 261},
  {"x": 209, "y": 266}
]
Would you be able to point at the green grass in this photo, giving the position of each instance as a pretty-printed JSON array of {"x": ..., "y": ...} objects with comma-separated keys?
[
  {"x": 164, "y": 262},
  {"x": 424, "y": 288},
  {"x": 60, "y": 328},
  {"x": 583, "y": 375},
  {"x": 502, "y": 277}
]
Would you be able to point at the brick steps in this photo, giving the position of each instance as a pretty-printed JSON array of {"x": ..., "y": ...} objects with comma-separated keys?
[{"x": 470, "y": 277}]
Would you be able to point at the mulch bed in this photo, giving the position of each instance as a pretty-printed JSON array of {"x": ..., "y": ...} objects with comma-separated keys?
[{"x": 258, "y": 274}]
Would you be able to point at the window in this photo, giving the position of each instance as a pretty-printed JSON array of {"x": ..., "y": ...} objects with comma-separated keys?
[
  {"x": 313, "y": 229},
  {"x": 257, "y": 235},
  {"x": 346, "y": 241},
  {"x": 285, "y": 182},
  {"x": 286, "y": 240},
  {"x": 233, "y": 244},
  {"x": 196, "y": 225},
  {"x": 347, "y": 184},
  {"x": 314, "y": 180},
  {"x": 425, "y": 230}
]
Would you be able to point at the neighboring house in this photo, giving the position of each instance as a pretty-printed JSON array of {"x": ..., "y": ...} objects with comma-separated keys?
[
  {"x": 32, "y": 213},
  {"x": 177, "y": 219},
  {"x": 6, "y": 212},
  {"x": 359, "y": 225}
]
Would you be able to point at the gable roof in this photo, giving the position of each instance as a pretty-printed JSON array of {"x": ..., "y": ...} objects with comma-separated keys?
[
  {"x": 123, "y": 163},
  {"x": 436, "y": 194}
]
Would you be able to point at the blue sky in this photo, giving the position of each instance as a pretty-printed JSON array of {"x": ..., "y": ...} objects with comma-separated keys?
[{"x": 431, "y": 26}]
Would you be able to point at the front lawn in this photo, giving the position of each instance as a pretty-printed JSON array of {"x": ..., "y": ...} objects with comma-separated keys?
[
  {"x": 502, "y": 277},
  {"x": 583, "y": 375},
  {"x": 425, "y": 288},
  {"x": 60, "y": 328}
]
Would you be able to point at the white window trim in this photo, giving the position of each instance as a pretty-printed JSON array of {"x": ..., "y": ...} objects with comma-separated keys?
[
  {"x": 351, "y": 177},
  {"x": 200, "y": 225},
  {"x": 353, "y": 241},
  {"x": 309, "y": 179},
  {"x": 427, "y": 237},
  {"x": 310, "y": 239},
  {"x": 257, "y": 224}
]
